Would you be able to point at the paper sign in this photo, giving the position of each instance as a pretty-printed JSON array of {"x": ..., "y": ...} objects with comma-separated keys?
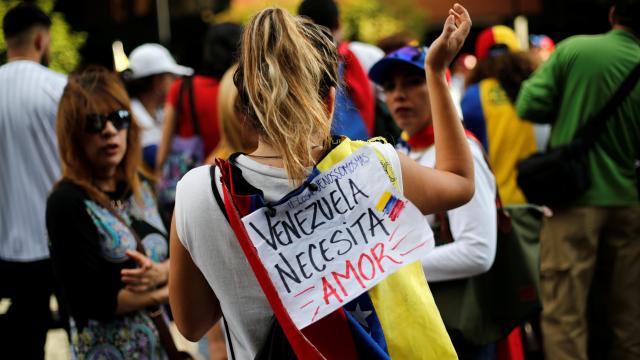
[{"x": 324, "y": 248}]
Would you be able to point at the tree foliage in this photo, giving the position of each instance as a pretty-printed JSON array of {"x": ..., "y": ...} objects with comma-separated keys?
[
  {"x": 65, "y": 44},
  {"x": 364, "y": 20}
]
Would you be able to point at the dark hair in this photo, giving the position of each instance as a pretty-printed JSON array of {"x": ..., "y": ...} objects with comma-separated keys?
[
  {"x": 321, "y": 12},
  {"x": 135, "y": 87},
  {"x": 510, "y": 69},
  {"x": 627, "y": 13},
  {"x": 22, "y": 17},
  {"x": 395, "y": 41},
  {"x": 220, "y": 48}
]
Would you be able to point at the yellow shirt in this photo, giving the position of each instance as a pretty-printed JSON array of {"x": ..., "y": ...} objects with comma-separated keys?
[{"x": 509, "y": 138}]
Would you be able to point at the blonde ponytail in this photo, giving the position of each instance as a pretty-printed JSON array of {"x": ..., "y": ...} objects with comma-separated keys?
[{"x": 286, "y": 69}]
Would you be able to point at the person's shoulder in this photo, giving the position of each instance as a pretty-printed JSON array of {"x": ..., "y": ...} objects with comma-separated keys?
[
  {"x": 195, "y": 206},
  {"x": 24, "y": 68},
  {"x": 54, "y": 75},
  {"x": 480, "y": 160},
  {"x": 477, "y": 152},
  {"x": 196, "y": 175},
  {"x": 390, "y": 155},
  {"x": 52, "y": 83},
  {"x": 65, "y": 194},
  {"x": 382, "y": 146},
  {"x": 194, "y": 182},
  {"x": 47, "y": 73},
  {"x": 582, "y": 43}
]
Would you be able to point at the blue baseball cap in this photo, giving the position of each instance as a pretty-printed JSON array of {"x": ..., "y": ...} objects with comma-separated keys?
[{"x": 412, "y": 55}]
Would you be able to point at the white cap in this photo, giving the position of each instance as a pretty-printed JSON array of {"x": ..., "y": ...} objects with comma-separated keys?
[
  {"x": 151, "y": 59},
  {"x": 367, "y": 54}
]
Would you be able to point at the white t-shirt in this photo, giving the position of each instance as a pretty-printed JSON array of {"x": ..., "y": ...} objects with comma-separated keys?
[
  {"x": 29, "y": 96},
  {"x": 151, "y": 128},
  {"x": 207, "y": 236},
  {"x": 473, "y": 225}
]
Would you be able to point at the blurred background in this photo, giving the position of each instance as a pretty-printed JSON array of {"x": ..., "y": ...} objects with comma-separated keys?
[{"x": 83, "y": 31}]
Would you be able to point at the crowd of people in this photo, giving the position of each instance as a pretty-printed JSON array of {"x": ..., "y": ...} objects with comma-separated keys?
[{"x": 126, "y": 193}]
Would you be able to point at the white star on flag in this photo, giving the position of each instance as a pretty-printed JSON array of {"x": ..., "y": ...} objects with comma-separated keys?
[{"x": 361, "y": 316}]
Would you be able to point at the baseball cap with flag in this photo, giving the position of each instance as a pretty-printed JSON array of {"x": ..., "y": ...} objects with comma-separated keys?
[
  {"x": 496, "y": 40},
  {"x": 412, "y": 55},
  {"x": 152, "y": 59}
]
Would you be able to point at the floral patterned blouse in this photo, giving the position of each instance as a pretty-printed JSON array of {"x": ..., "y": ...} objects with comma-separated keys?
[{"x": 88, "y": 245}]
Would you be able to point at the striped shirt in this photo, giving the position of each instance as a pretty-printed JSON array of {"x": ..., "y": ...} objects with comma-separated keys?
[{"x": 29, "y": 96}]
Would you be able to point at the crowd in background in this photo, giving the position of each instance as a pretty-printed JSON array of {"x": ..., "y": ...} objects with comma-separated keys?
[{"x": 93, "y": 161}]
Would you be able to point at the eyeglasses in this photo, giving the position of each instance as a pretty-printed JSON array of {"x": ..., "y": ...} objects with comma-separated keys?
[{"x": 95, "y": 123}]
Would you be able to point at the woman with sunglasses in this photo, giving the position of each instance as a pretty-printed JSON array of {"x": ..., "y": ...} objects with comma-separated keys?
[{"x": 100, "y": 217}]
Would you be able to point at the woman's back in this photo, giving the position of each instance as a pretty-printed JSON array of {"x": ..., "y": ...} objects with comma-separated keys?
[
  {"x": 198, "y": 215},
  {"x": 287, "y": 78}
]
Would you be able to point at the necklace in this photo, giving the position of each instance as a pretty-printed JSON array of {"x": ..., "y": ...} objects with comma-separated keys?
[
  {"x": 276, "y": 156},
  {"x": 266, "y": 156}
]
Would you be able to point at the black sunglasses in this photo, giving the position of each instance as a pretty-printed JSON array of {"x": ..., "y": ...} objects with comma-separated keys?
[{"x": 95, "y": 123}]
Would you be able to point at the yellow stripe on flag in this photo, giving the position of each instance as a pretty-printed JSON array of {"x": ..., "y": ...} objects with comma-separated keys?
[
  {"x": 383, "y": 201},
  {"x": 410, "y": 319}
]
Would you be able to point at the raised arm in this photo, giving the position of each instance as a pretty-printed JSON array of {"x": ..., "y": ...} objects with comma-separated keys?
[{"x": 451, "y": 184}]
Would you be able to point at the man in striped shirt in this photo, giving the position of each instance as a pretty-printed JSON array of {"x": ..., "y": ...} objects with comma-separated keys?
[{"x": 29, "y": 95}]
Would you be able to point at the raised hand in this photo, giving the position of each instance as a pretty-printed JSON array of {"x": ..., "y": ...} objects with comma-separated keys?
[
  {"x": 446, "y": 46},
  {"x": 147, "y": 276}
]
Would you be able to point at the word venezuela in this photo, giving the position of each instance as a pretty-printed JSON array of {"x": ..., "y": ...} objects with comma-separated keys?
[{"x": 337, "y": 238}]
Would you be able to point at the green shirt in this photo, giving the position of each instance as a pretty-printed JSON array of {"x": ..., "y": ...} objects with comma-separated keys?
[{"x": 576, "y": 82}]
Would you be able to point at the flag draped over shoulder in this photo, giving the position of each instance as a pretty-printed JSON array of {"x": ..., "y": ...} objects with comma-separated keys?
[{"x": 395, "y": 319}]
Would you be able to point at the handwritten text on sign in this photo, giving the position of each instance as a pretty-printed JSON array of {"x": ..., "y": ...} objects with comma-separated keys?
[{"x": 324, "y": 248}]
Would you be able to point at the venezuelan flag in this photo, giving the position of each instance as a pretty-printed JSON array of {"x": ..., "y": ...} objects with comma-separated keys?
[{"x": 396, "y": 319}]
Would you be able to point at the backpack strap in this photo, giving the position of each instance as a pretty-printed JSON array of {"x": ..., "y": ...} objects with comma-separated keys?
[
  {"x": 194, "y": 114},
  {"x": 178, "y": 112},
  {"x": 303, "y": 348},
  {"x": 590, "y": 132},
  {"x": 216, "y": 195},
  {"x": 186, "y": 86},
  {"x": 311, "y": 342}
]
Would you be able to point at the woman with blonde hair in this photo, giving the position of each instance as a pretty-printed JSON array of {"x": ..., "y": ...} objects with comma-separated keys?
[
  {"x": 235, "y": 133},
  {"x": 108, "y": 244},
  {"x": 287, "y": 78}
]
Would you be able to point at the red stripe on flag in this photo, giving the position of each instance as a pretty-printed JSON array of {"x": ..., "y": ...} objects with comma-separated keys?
[
  {"x": 303, "y": 348},
  {"x": 328, "y": 338}
]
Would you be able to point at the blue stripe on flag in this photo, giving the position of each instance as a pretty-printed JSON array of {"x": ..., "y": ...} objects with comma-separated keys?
[{"x": 366, "y": 328}]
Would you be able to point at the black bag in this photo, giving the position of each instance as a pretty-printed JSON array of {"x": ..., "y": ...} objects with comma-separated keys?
[
  {"x": 558, "y": 177},
  {"x": 276, "y": 346}
]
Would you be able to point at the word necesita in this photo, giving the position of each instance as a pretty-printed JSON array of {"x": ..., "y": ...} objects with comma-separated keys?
[{"x": 296, "y": 226}]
